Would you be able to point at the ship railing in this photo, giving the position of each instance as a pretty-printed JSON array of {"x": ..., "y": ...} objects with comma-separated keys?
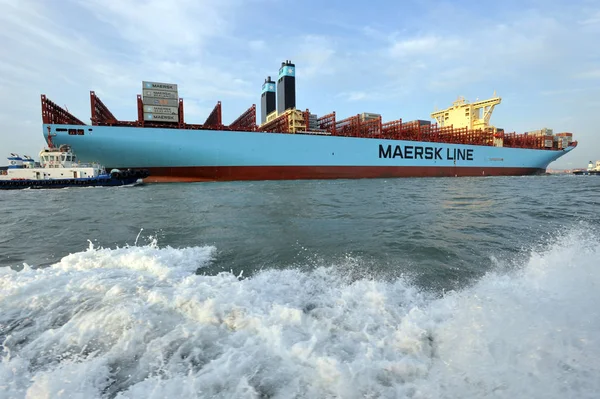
[
  {"x": 246, "y": 121},
  {"x": 101, "y": 115},
  {"x": 54, "y": 114},
  {"x": 327, "y": 122},
  {"x": 214, "y": 120}
]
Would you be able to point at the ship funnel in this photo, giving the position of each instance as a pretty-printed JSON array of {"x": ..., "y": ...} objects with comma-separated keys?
[
  {"x": 267, "y": 99},
  {"x": 286, "y": 87}
]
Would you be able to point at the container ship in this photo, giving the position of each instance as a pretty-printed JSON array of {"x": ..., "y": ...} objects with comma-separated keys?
[{"x": 291, "y": 143}]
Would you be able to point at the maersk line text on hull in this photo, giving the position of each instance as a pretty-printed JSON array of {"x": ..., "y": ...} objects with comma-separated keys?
[{"x": 425, "y": 152}]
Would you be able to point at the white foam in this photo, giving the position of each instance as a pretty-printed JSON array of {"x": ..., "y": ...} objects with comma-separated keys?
[{"x": 138, "y": 322}]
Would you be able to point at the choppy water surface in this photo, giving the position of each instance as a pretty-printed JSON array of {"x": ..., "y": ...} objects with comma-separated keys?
[{"x": 418, "y": 288}]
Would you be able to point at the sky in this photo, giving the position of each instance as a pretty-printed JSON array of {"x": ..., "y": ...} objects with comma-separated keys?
[{"x": 401, "y": 59}]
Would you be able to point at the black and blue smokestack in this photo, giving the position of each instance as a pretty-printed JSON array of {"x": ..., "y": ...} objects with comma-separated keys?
[
  {"x": 267, "y": 99},
  {"x": 286, "y": 87}
]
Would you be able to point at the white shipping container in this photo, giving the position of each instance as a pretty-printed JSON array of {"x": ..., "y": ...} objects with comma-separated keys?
[
  {"x": 548, "y": 143},
  {"x": 160, "y": 101},
  {"x": 160, "y": 118},
  {"x": 547, "y": 131},
  {"x": 159, "y": 86},
  {"x": 366, "y": 116},
  {"x": 540, "y": 132},
  {"x": 158, "y": 109},
  {"x": 161, "y": 94}
]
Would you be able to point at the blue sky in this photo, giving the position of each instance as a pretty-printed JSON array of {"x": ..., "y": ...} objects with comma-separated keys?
[{"x": 400, "y": 59}]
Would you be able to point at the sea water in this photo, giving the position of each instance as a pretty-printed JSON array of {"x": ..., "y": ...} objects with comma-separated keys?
[{"x": 416, "y": 288}]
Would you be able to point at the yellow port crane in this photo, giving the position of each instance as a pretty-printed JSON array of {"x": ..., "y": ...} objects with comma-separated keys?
[{"x": 470, "y": 115}]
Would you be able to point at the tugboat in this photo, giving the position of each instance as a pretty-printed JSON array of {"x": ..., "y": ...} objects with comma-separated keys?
[
  {"x": 59, "y": 168},
  {"x": 591, "y": 170}
]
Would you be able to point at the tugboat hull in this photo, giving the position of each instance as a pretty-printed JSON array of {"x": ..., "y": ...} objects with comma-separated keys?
[{"x": 112, "y": 180}]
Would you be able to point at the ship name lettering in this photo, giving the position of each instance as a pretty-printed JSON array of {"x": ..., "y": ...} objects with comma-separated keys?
[
  {"x": 413, "y": 152},
  {"x": 459, "y": 154}
]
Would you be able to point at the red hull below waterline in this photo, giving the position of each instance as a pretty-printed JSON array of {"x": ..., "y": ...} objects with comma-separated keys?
[{"x": 233, "y": 173}]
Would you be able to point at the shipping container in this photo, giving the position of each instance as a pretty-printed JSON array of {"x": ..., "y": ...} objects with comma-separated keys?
[
  {"x": 418, "y": 122},
  {"x": 160, "y": 101},
  {"x": 367, "y": 116},
  {"x": 313, "y": 122},
  {"x": 546, "y": 132},
  {"x": 160, "y": 94},
  {"x": 159, "y": 86},
  {"x": 157, "y": 109},
  {"x": 540, "y": 132},
  {"x": 160, "y": 118}
]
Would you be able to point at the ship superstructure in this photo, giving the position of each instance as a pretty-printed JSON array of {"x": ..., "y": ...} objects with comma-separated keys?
[{"x": 463, "y": 114}]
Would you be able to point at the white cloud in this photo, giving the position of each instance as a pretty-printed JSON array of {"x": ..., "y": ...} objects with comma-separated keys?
[
  {"x": 357, "y": 95},
  {"x": 257, "y": 45},
  {"x": 593, "y": 19},
  {"x": 525, "y": 45},
  {"x": 353, "y": 95},
  {"x": 589, "y": 74},
  {"x": 568, "y": 92},
  {"x": 480, "y": 53},
  {"x": 428, "y": 45},
  {"x": 159, "y": 27},
  {"x": 316, "y": 56}
]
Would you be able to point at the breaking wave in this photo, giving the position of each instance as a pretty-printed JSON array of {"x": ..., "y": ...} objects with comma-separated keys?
[{"x": 140, "y": 321}]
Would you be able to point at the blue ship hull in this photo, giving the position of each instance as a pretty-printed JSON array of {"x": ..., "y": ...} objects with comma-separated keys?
[{"x": 210, "y": 155}]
